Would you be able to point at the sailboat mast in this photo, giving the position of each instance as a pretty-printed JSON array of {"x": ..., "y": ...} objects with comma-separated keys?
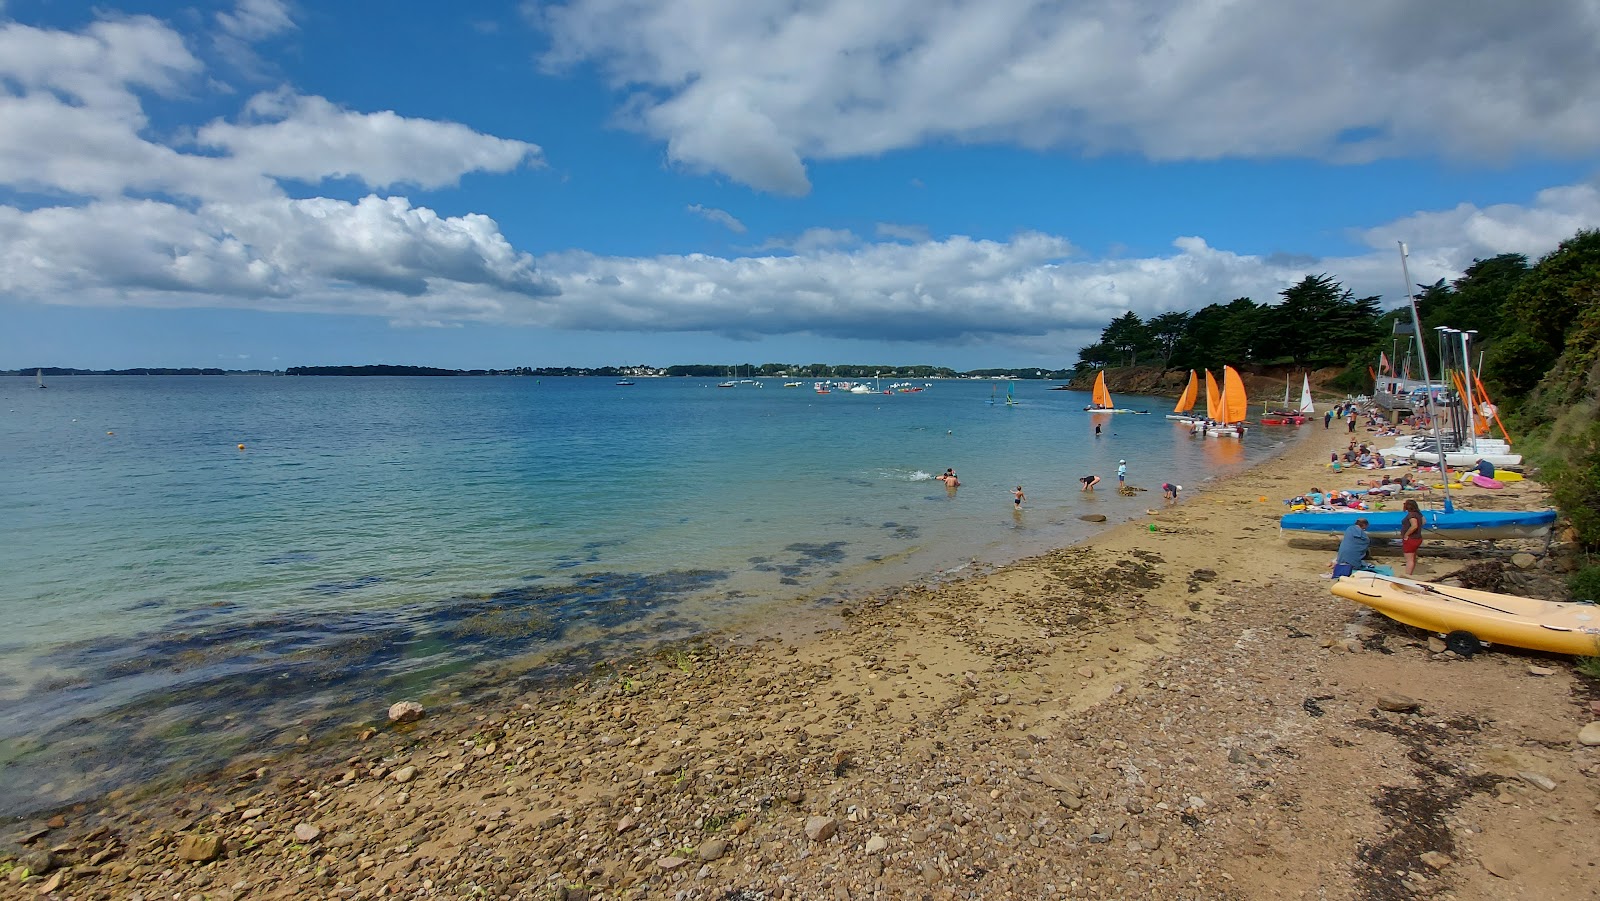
[{"x": 1433, "y": 417}]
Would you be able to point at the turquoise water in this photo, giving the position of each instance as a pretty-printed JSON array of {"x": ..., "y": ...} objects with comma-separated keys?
[{"x": 376, "y": 535}]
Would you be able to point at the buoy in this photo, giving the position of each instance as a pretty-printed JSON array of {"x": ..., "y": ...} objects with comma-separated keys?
[
  {"x": 110, "y": 433},
  {"x": 241, "y": 447}
]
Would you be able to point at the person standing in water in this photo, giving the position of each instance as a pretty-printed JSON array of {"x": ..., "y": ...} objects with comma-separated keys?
[
  {"x": 1097, "y": 430},
  {"x": 1122, "y": 473},
  {"x": 1089, "y": 482},
  {"x": 1017, "y": 498}
]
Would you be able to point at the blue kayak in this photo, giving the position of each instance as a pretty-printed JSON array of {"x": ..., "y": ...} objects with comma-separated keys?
[{"x": 1457, "y": 525}]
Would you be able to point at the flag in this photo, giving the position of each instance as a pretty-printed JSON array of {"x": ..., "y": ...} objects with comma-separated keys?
[{"x": 1383, "y": 363}]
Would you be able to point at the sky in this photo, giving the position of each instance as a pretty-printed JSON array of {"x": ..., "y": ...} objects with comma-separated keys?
[{"x": 258, "y": 184}]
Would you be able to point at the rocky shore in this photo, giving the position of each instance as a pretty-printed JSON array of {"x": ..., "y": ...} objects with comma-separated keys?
[{"x": 1176, "y": 709}]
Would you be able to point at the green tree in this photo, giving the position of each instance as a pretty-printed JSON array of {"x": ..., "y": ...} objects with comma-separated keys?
[
  {"x": 1127, "y": 335},
  {"x": 1166, "y": 330},
  {"x": 1319, "y": 319}
]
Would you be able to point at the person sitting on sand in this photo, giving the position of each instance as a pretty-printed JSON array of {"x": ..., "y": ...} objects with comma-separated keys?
[
  {"x": 1089, "y": 482},
  {"x": 1353, "y": 546},
  {"x": 1485, "y": 469}
]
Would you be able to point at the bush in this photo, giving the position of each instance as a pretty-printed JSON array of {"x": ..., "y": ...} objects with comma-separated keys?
[{"x": 1585, "y": 584}]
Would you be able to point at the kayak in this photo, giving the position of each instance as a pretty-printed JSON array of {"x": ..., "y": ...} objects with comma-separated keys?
[{"x": 1508, "y": 619}]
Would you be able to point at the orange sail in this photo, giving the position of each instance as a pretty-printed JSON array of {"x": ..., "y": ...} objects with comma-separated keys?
[
  {"x": 1102, "y": 397},
  {"x": 1213, "y": 398},
  {"x": 1234, "y": 406},
  {"x": 1190, "y": 391}
]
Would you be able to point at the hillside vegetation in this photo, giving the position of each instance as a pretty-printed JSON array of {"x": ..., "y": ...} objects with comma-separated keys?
[{"x": 1537, "y": 325}]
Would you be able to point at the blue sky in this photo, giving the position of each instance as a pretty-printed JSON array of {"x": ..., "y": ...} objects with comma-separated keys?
[{"x": 261, "y": 183}]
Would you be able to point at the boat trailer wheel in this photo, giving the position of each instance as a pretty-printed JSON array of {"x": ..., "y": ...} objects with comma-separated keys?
[{"x": 1463, "y": 642}]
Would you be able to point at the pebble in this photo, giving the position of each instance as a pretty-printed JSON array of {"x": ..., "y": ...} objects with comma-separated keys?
[
  {"x": 1523, "y": 560},
  {"x": 1436, "y": 859},
  {"x": 712, "y": 849},
  {"x": 876, "y": 844},
  {"x": 405, "y": 712},
  {"x": 404, "y": 774},
  {"x": 1540, "y": 671},
  {"x": 1395, "y": 703},
  {"x": 1538, "y": 780},
  {"x": 1436, "y": 644},
  {"x": 200, "y": 848},
  {"x": 820, "y": 829},
  {"x": 1589, "y": 735},
  {"x": 305, "y": 832}
]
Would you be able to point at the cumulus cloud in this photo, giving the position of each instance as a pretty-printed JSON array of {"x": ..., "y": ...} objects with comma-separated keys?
[
  {"x": 131, "y": 219},
  {"x": 720, "y": 217},
  {"x": 753, "y": 88},
  {"x": 286, "y": 135}
]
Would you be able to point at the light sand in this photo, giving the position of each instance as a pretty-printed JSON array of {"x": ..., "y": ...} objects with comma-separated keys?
[{"x": 1178, "y": 713}]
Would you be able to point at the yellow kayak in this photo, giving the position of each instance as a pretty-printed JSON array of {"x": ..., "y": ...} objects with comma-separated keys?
[
  {"x": 1500, "y": 475},
  {"x": 1554, "y": 626}
]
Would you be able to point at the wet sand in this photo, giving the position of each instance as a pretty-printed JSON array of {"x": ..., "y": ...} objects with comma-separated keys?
[{"x": 1183, "y": 712}]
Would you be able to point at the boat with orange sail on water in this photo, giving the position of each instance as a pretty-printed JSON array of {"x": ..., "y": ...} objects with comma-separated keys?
[
  {"x": 1101, "y": 402},
  {"x": 1184, "y": 410},
  {"x": 1232, "y": 406}
]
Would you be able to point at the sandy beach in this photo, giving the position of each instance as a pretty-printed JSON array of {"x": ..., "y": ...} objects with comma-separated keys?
[{"x": 1177, "y": 708}]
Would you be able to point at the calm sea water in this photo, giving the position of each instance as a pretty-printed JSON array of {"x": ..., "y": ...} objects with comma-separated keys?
[{"x": 170, "y": 599}]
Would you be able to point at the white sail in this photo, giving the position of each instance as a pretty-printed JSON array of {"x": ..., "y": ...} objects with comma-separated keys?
[{"x": 1306, "y": 406}]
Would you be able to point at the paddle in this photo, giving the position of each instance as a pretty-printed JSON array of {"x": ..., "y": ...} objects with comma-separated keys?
[{"x": 1424, "y": 586}]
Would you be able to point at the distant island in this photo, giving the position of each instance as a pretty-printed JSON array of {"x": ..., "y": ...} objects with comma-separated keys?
[{"x": 694, "y": 370}]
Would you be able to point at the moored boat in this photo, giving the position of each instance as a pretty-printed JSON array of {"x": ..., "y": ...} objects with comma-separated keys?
[
  {"x": 1453, "y": 525},
  {"x": 1553, "y": 626}
]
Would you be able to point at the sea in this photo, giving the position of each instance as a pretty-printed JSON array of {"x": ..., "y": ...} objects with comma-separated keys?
[{"x": 194, "y": 568}]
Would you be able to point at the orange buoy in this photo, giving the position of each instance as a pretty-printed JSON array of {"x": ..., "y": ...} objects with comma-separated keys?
[{"x": 241, "y": 447}]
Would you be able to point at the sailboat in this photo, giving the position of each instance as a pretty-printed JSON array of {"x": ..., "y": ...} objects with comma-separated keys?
[
  {"x": 1307, "y": 406},
  {"x": 1102, "y": 398},
  {"x": 1011, "y": 400},
  {"x": 1183, "y": 412},
  {"x": 1234, "y": 406},
  {"x": 38, "y": 376},
  {"x": 1291, "y": 415}
]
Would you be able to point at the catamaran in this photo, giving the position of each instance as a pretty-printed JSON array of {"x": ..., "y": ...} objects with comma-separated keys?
[
  {"x": 1102, "y": 398},
  {"x": 1184, "y": 411},
  {"x": 1232, "y": 406}
]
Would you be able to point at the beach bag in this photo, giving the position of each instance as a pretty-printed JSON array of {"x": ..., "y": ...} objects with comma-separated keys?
[{"x": 1342, "y": 569}]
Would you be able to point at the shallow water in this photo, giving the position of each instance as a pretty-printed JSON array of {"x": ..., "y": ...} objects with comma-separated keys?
[{"x": 174, "y": 598}]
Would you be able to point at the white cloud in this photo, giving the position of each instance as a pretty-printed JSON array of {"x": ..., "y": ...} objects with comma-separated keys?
[
  {"x": 73, "y": 128},
  {"x": 753, "y": 88},
  {"x": 256, "y": 20},
  {"x": 721, "y": 217},
  {"x": 897, "y": 232},
  {"x": 286, "y": 135}
]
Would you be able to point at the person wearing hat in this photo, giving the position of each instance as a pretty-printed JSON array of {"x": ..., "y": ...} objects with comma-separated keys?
[
  {"x": 1170, "y": 491},
  {"x": 1122, "y": 472}
]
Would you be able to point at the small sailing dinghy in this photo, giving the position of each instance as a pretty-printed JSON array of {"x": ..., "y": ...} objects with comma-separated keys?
[
  {"x": 1184, "y": 410},
  {"x": 1553, "y": 626},
  {"x": 1102, "y": 398}
]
